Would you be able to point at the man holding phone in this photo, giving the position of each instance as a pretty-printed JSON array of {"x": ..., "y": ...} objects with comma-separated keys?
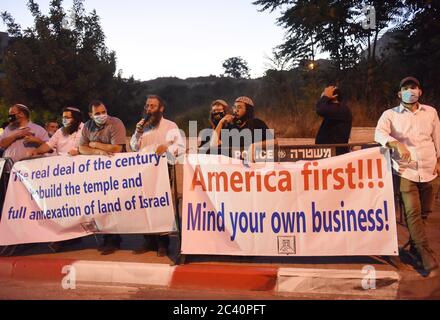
[{"x": 337, "y": 123}]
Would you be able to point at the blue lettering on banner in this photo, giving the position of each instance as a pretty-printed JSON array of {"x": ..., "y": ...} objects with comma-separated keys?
[
  {"x": 202, "y": 220},
  {"x": 349, "y": 220},
  {"x": 294, "y": 222}
]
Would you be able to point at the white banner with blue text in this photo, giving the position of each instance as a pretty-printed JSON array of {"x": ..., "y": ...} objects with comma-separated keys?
[
  {"x": 62, "y": 198},
  {"x": 342, "y": 206}
]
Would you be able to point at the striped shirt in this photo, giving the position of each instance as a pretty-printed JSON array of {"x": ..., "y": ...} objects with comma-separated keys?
[{"x": 165, "y": 133}]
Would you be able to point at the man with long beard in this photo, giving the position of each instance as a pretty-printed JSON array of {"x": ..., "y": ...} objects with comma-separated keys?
[
  {"x": 242, "y": 129},
  {"x": 162, "y": 136}
]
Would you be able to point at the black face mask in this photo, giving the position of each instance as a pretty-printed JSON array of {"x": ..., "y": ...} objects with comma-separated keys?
[
  {"x": 12, "y": 118},
  {"x": 216, "y": 117}
]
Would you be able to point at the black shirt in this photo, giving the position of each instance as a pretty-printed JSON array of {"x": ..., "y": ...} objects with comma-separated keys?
[
  {"x": 236, "y": 136},
  {"x": 337, "y": 123},
  {"x": 259, "y": 132}
]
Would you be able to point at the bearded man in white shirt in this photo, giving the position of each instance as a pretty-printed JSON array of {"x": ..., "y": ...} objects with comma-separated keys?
[
  {"x": 161, "y": 136},
  {"x": 412, "y": 131},
  {"x": 65, "y": 141}
]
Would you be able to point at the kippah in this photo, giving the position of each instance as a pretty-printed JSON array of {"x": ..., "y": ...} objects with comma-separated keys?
[
  {"x": 246, "y": 100},
  {"x": 22, "y": 106},
  {"x": 73, "y": 109}
]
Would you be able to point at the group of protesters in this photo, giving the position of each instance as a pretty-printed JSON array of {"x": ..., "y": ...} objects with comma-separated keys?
[
  {"x": 105, "y": 135},
  {"x": 411, "y": 131}
]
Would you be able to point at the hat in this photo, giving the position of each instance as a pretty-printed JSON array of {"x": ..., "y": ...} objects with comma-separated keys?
[
  {"x": 246, "y": 100},
  {"x": 220, "y": 102},
  {"x": 410, "y": 80}
]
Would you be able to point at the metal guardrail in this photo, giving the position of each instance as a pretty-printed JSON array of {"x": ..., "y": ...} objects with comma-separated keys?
[{"x": 287, "y": 153}]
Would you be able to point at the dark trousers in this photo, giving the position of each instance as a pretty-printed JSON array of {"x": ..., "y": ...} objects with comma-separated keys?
[
  {"x": 156, "y": 241},
  {"x": 418, "y": 200}
]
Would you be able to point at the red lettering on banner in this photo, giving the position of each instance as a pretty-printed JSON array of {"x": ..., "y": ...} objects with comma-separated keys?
[
  {"x": 220, "y": 181},
  {"x": 351, "y": 176}
]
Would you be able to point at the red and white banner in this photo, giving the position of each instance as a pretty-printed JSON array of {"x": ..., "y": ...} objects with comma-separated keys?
[
  {"x": 62, "y": 198},
  {"x": 343, "y": 206}
]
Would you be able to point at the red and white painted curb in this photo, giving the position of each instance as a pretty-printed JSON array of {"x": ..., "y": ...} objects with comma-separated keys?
[{"x": 202, "y": 276}]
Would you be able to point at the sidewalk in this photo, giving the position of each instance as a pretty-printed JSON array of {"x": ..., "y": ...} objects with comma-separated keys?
[{"x": 336, "y": 276}]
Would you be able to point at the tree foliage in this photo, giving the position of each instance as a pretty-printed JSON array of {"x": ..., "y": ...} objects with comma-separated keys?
[
  {"x": 236, "y": 67},
  {"x": 330, "y": 26},
  {"x": 53, "y": 63},
  {"x": 360, "y": 64}
]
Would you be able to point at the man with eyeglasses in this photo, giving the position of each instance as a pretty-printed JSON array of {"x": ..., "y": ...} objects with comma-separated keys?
[
  {"x": 21, "y": 135},
  {"x": 157, "y": 134},
  {"x": 242, "y": 129}
]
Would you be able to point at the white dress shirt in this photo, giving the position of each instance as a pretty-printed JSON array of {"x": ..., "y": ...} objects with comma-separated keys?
[
  {"x": 419, "y": 131},
  {"x": 165, "y": 133}
]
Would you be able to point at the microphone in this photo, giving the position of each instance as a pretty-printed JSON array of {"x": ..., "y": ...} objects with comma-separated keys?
[
  {"x": 146, "y": 117},
  {"x": 143, "y": 122}
]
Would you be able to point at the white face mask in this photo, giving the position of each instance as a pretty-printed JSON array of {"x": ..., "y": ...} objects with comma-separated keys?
[
  {"x": 411, "y": 96},
  {"x": 101, "y": 119},
  {"x": 67, "y": 122}
]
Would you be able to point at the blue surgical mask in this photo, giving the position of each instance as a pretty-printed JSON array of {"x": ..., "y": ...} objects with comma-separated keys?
[
  {"x": 411, "y": 96},
  {"x": 101, "y": 119}
]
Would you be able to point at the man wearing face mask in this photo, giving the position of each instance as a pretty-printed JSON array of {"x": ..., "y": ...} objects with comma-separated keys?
[
  {"x": 412, "y": 132},
  {"x": 103, "y": 135},
  {"x": 219, "y": 109},
  {"x": 337, "y": 123},
  {"x": 21, "y": 135},
  {"x": 157, "y": 134},
  {"x": 242, "y": 129},
  {"x": 65, "y": 141}
]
